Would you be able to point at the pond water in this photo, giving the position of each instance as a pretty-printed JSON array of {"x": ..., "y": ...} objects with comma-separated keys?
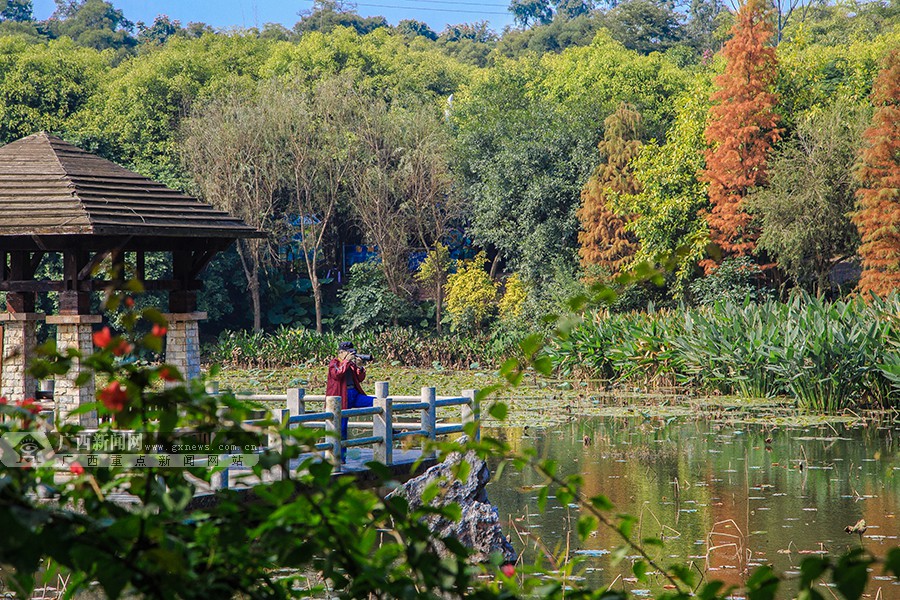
[{"x": 724, "y": 495}]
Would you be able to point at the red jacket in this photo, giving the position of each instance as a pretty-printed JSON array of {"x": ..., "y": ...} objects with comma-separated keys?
[{"x": 337, "y": 379}]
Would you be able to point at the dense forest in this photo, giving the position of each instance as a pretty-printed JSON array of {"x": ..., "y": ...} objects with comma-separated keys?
[{"x": 751, "y": 150}]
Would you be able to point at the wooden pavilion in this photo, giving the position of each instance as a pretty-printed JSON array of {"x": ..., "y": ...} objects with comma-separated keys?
[{"x": 57, "y": 198}]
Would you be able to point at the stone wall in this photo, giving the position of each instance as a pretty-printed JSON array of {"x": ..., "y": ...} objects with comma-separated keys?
[
  {"x": 19, "y": 341},
  {"x": 75, "y": 332},
  {"x": 183, "y": 343}
]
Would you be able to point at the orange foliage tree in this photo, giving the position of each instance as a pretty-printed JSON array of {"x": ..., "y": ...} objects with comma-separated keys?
[
  {"x": 742, "y": 128},
  {"x": 603, "y": 238},
  {"x": 878, "y": 215}
]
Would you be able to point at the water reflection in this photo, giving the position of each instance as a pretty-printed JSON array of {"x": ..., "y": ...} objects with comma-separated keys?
[{"x": 725, "y": 496}]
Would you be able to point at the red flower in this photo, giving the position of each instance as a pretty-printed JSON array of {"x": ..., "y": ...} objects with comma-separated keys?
[
  {"x": 508, "y": 570},
  {"x": 3, "y": 400},
  {"x": 169, "y": 374},
  {"x": 76, "y": 469},
  {"x": 158, "y": 330},
  {"x": 30, "y": 405},
  {"x": 103, "y": 338},
  {"x": 129, "y": 302},
  {"x": 122, "y": 348},
  {"x": 113, "y": 396}
]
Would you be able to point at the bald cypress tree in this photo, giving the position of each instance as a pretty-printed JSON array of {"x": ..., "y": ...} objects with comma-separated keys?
[
  {"x": 603, "y": 238},
  {"x": 878, "y": 170},
  {"x": 742, "y": 128}
]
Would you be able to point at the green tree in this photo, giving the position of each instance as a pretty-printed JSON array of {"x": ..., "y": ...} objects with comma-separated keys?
[
  {"x": 432, "y": 275},
  {"x": 159, "y": 31},
  {"x": 523, "y": 162},
  {"x": 326, "y": 15},
  {"x": 803, "y": 211},
  {"x": 529, "y": 12},
  {"x": 313, "y": 130},
  {"x": 572, "y": 9},
  {"x": 381, "y": 63},
  {"x": 234, "y": 152},
  {"x": 94, "y": 24},
  {"x": 411, "y": 28},
  {"x": 469, "y": 42},
  {"x": 137, "y": 112},
  {"x": 553, "y": 37},
  {"x": 668, "y": 221},
  {"x": 368, "y": 302},
  {"x": 16, "y": 10},
  {"x": 645, "y": 25},
  {"x": 45, "y": 85}
]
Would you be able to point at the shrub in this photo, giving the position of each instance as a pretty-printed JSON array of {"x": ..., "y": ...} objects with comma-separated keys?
[
  {"x": 734, "y": 280},
  {"x": 369, "y": 303},
  {"x": 471, "y": 295},
  {"x": 512, "y": 303}
]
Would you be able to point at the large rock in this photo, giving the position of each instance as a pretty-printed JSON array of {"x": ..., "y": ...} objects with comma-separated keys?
[{"x": 479, "y": 528}]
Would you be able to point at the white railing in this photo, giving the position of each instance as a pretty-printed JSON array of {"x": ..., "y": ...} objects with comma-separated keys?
[{"x": 385, "y": 429}]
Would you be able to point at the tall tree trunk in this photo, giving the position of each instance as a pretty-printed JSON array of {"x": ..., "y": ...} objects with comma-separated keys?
[
  {"x": 438, "y": 304},
  {"x": 251, "y": 273},
  {"x": 255, "y": 298},
  {"x": 494, "y": 265},
  {"x": 317, "y": 298}
]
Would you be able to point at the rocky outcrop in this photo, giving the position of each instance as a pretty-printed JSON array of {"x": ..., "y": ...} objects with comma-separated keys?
[{"x": 479, "y": 527}]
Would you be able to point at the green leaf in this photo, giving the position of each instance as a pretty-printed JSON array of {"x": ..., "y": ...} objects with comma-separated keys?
[
  {"x": 542, "y": 498},
  {"x": 811, "y": 569},
  {"x": 762, "y": 584},
  {"x": 601, "y": 502},
  {"x": 499, "y": 411},
  {"x": 463, "y": 469},
  {"x": 640, "y": 570},
  {"x": 430, "y": 492},
  {"x": 892, "y": 562},
  {"x": 587, "y": 524},
  {"x": 626, "y": 524}
]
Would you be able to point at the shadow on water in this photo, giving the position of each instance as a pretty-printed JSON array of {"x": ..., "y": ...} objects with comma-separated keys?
[{"x": 725, "y": 496}]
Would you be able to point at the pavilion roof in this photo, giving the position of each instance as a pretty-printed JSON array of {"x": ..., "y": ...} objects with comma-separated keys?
[{"x": 51, "y": 187}]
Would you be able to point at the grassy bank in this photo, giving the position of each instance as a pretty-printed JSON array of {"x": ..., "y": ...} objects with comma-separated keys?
[{"x": 824, "y": 356}]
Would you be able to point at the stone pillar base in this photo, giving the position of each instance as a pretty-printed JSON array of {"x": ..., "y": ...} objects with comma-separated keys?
[
  {"x": 75, "y": 332},
  {"x": 183, "y": 342},
  {"x": 16, "y": 351}
]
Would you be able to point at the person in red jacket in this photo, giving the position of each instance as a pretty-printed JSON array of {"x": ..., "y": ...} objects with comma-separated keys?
[{"x": 345, "y": 379}]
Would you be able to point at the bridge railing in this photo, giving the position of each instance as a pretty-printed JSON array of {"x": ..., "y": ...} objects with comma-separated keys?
[{"x": 386, "y": 430}]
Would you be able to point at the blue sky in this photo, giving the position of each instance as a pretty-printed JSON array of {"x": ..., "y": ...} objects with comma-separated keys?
[{"x": 251, "y": 13}]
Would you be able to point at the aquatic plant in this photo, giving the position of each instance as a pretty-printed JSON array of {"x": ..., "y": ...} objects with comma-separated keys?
[{"x": 825, "y": 355}]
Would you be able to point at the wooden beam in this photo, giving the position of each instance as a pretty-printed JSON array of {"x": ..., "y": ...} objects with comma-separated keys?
[
  {"x": 140, "y": 261},
  {"x": 88, "y": 269},
  {"x": 30, "y": 286},
  {"x": 36, "y": 258},
  {"x": 93, "y": 285}
]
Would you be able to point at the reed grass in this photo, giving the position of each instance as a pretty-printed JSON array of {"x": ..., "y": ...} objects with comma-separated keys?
[{"x": 826, "y": 355}]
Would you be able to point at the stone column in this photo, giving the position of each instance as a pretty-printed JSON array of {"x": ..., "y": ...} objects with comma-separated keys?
[
  {"x": 183, "y": 342},
  {"x": 75, "y": 332},
  {"x": 18, "y": 344}
]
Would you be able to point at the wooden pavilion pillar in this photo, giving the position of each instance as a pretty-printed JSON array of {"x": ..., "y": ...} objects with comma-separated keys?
[
  {"x": 19, "y": 327},
  {"x": 74, "y": 330},
  {"x": 183, "y": 337}
]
